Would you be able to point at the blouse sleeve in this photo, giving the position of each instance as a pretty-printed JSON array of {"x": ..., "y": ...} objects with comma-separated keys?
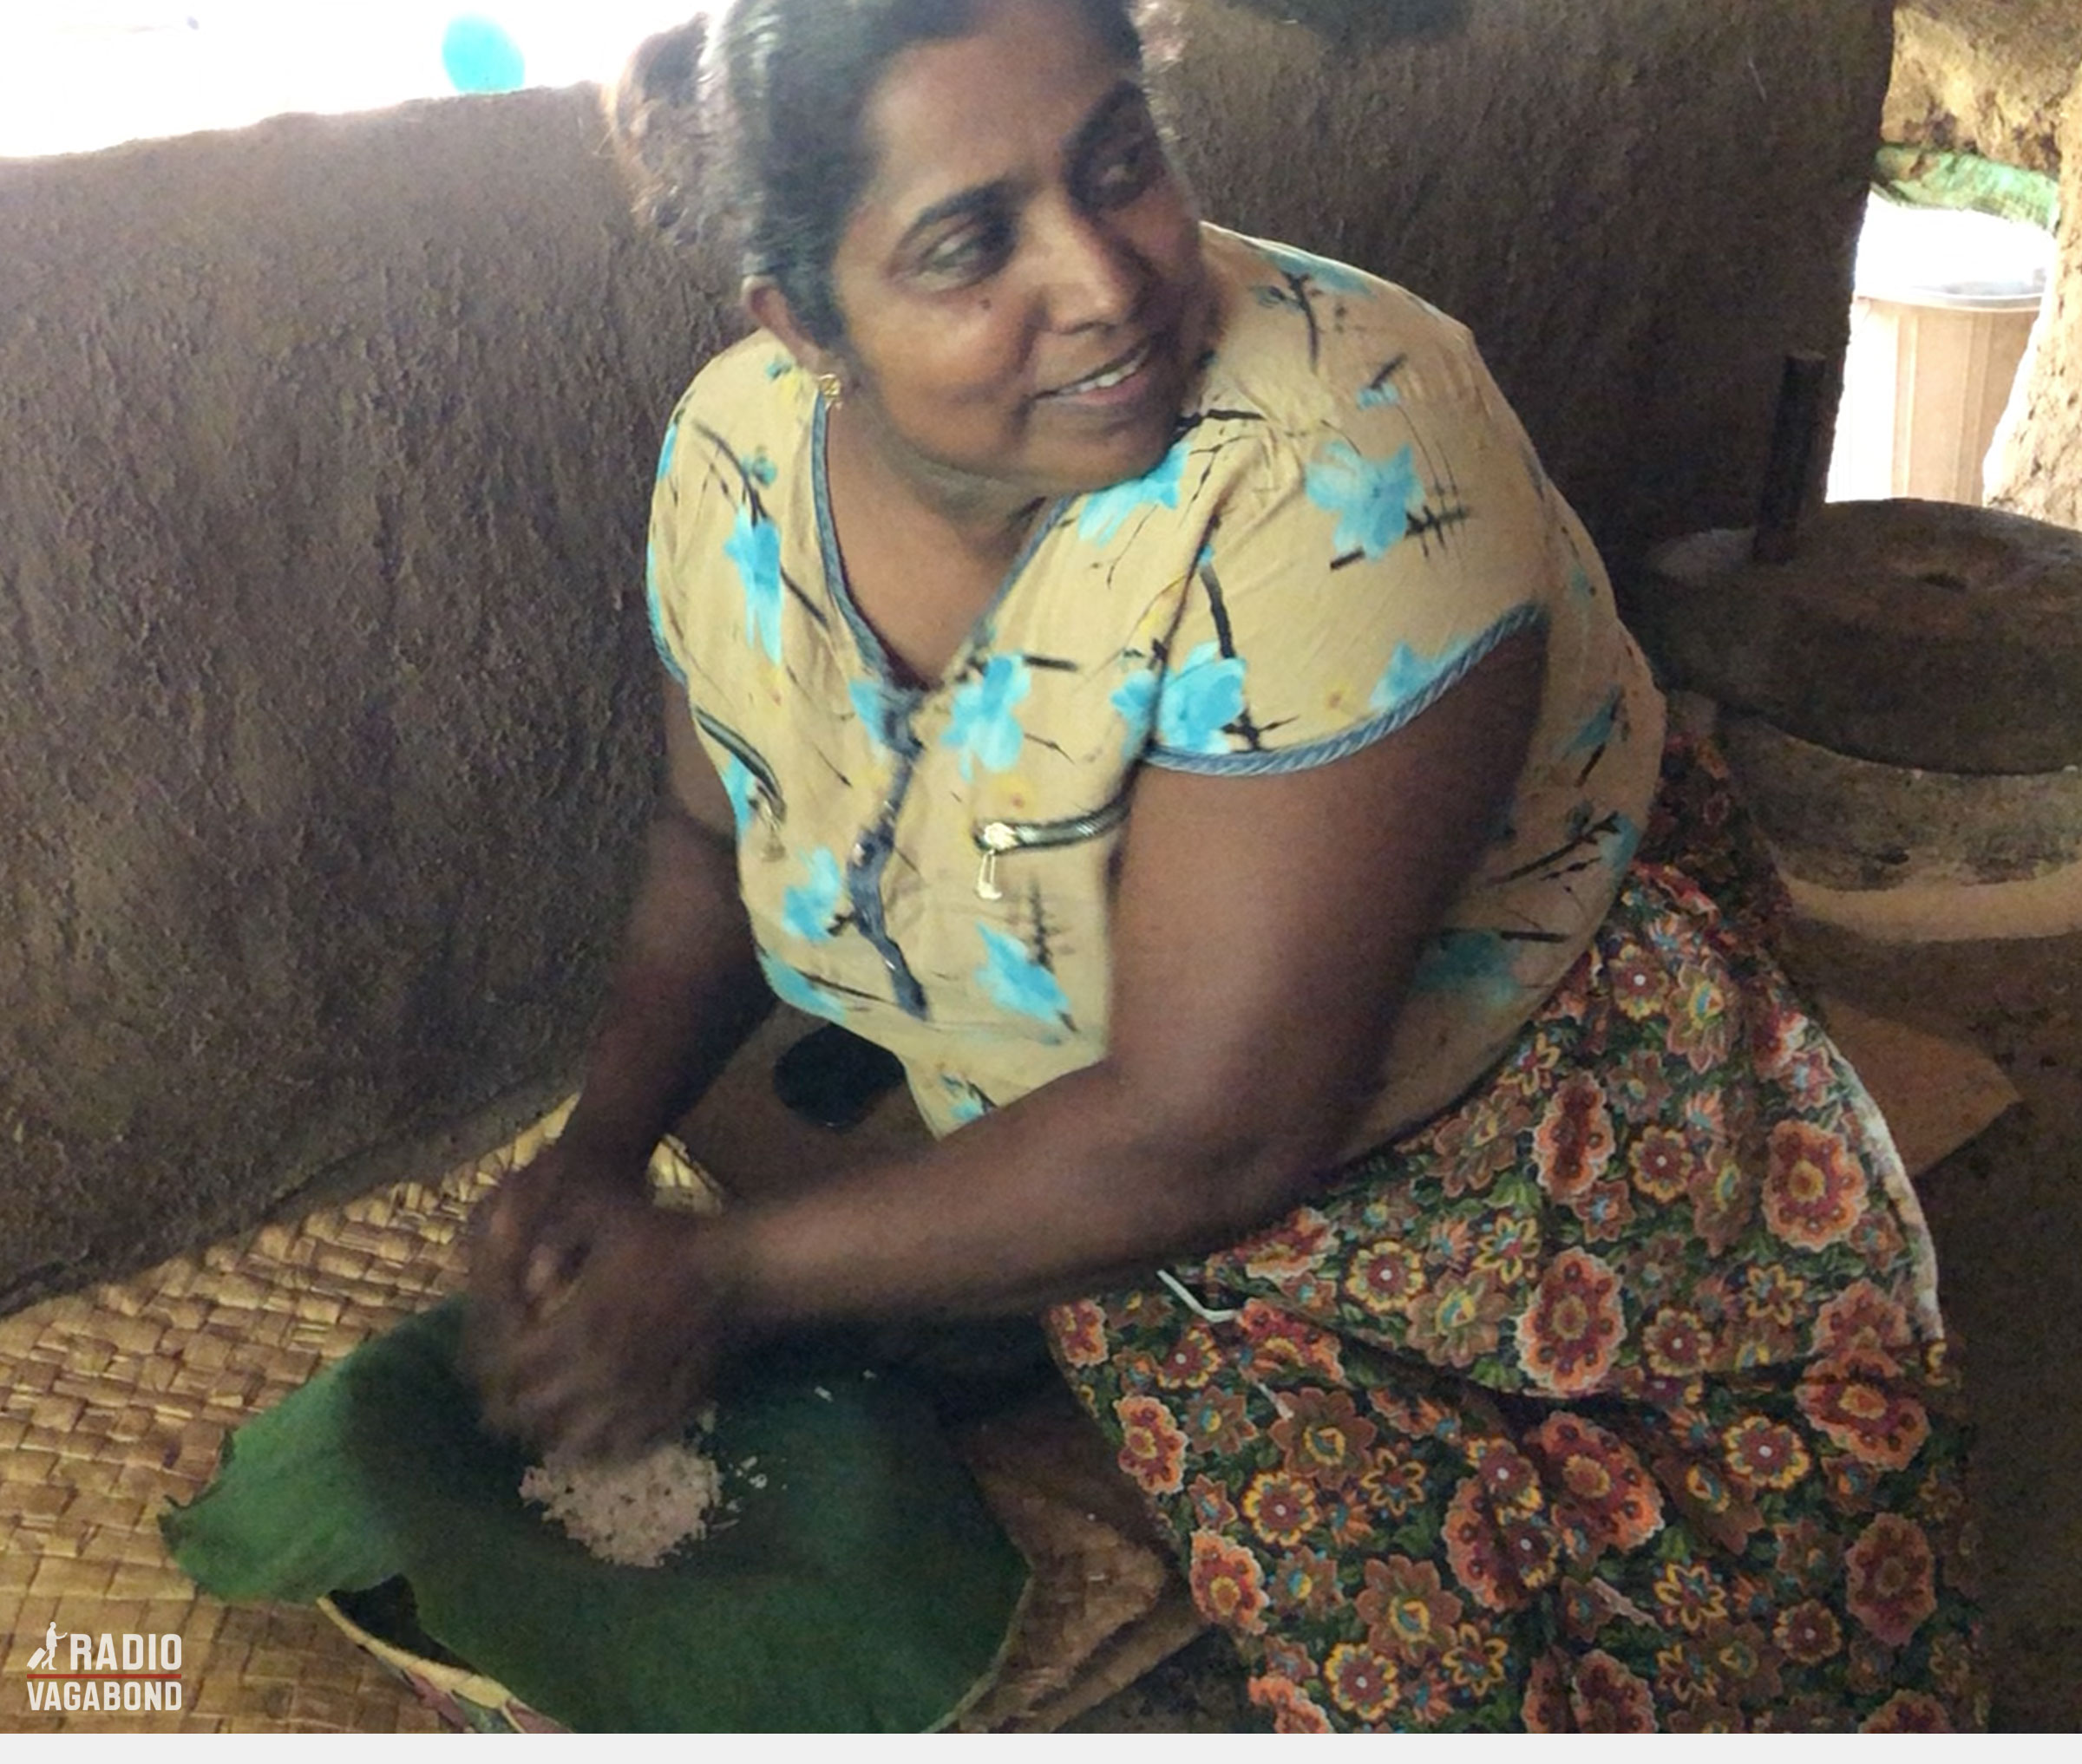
[
  {"x": 661, "y": 558},
  {"x": 1363, "y": 562}
]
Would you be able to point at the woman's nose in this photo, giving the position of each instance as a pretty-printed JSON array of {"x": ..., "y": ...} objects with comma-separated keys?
[{"x": 1095, "y": 277}]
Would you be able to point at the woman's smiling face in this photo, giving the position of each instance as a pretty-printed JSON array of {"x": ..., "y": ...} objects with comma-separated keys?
[{"x": 1021, "y": 282}]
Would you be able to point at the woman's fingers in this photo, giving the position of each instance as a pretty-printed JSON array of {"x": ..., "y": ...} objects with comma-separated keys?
[{"x": 603, "y": 1340}]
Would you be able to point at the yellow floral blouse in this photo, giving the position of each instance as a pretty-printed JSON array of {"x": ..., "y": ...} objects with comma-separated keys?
[{"x": 1348, "y": 520}]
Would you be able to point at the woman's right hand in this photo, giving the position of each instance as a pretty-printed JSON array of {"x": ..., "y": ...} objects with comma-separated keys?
[{"x": 532, "y": 1237}]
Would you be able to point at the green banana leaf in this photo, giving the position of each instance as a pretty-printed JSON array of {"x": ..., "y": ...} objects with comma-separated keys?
[{"x": 863, "y": 1588}]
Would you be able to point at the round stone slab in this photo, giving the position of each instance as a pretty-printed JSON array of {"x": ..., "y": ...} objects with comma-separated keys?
[
  {"x": 1926, "y": 634},
  {"x": 1853, "y": 824}
]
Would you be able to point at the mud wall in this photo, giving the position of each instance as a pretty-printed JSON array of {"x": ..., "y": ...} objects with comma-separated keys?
[
  {"x": 323, "y": 448},
  {"x": 2036, "y": 467},
  {"x": 324, "y": 699},
  {"x": 1984, "y": 76}
]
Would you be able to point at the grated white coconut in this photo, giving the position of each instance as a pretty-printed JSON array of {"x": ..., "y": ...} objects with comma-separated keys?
[{"x": 635, "y": 1513}]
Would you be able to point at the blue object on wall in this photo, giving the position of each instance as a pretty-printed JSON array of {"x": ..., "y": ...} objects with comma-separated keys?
[{"x": 480, "y": 55}]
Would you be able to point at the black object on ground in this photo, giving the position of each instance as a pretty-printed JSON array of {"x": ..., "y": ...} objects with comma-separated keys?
[{"x": 832, "y": 1077}]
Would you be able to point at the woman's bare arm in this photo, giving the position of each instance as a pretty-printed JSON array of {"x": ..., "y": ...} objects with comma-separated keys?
[{"x": 1264, "y": 935}]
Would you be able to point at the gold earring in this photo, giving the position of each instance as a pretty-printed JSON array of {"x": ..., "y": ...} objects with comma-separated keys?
[{"x": 831, "y": 389}]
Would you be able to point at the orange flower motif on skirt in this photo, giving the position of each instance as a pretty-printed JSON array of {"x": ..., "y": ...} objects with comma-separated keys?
[
  {"x": 1459, "y": 1320},
  {"x": 1764, "y": 1453},
  {"x": 1690, "y": 1595},
  {"x": 1510, "y": 1480},
  {"x": 1153, "y": 1450},
  {"x": 1362, "y": 1680},
  {"x": 1080, "y": 1332},
  {"x": 1407, "y": 1612},
  {"x": 1383, "y": 1280},
  {"x": 1809, "y": 1633},
  {"x": 1322, "y": 1435},
  {"x": 1477, "y": 1552},
  {"x": 1292, "y": 1709},
  {"x": 1191, "y": 1360},
  {"x": 1661, "y": 1163},
  {"x": 1229, "y": 1587},
  {"x": 1508, "y": 1246},
  {"x": 1606, "y": 1487},
  {"x": 1546, "y": 1710},
  {"x": 1850, "y": 1400},
  {"x": 1395, "y": 1484},
  {"x": 1699, "y": 1030},
  {"x": 1214, "y": 1420},
  {"x": 1638, "y": 982},
  {"x": 1890, "y": 1579},
  {"x": 1568, "y": 1336},
  {"x": 1862, "y": 1317},
  {"x": 1909, "y": 1712},
  {"x": 1474, "y": 1659},
  {"x": 1676, "y": 1344},
  {"x": 1305, "y": 1582},
  {"x": 1276, "y": 1341},
  {"x": 1281, "y": 1508},
  {"x": 1292, "y": 1246},
  {"x": 1610, "y": 1699},
  {"x": 1213, "y": 1510},
  {"x": 1573, "y": 1141},
  {"x": 1814, "y": 1189}
]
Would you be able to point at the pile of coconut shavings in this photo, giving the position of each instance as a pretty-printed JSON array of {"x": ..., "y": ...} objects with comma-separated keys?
[{"x": 635, "y": 1513}]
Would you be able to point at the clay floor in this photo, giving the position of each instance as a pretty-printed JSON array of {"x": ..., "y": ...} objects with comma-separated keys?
[{"x": 2006, "y": 1211}]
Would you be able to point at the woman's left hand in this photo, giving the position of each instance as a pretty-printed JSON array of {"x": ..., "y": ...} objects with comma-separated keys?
[{"x": 621, "y": 1353}]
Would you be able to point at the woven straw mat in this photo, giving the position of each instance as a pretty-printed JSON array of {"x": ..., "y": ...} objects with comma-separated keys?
[{"x": 113, "y": 1403}]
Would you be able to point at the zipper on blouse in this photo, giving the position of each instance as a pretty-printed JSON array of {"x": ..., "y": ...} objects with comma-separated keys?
[
  {"x": 994, "y": 839},
  {"x": 767, "y": 801}
]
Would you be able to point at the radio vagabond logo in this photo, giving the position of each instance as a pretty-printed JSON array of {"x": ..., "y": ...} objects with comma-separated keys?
[{"x": 112, "y": 1672}]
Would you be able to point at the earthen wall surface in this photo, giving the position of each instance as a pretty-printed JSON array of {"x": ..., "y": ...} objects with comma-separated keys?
[{"x": 325, "y": 699}]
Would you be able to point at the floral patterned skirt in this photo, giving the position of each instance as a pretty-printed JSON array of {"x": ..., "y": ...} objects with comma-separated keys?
[{"x": 1615, "y": 1399}]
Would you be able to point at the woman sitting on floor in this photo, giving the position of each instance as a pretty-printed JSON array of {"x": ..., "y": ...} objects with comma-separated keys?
[{"x": 1141, "y": 676}]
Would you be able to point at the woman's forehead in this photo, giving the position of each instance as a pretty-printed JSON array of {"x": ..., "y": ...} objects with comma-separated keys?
[{"x": 1017, "y": 97}]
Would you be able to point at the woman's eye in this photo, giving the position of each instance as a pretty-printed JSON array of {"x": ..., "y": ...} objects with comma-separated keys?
[
  {"x": 1121, "y": 172},
  {"x": 967, "y": 255}
]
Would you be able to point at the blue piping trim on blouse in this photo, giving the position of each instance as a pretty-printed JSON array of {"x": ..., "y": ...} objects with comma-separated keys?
[
  {"x": 1267, "y": 762},
  {"x": 872, "y": 852},
  {"x": 842, "y": 591}
]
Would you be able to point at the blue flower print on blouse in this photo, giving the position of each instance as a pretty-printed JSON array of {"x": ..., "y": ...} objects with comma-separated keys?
[
  {"x": 1105, "y": 510},
  {"x": 667, "y": 448},
  {"x": 965, "y": 1101},
  {"x": 882, "y": 712},
  {"x": 1475, "y": 963},
  {"x": 791, "y": 986},
  {"x": 1324, "y": 273},
  {"x": 1373, "y": 499},
  {"x": 1410, "y": 679},
  {"x": 1622, "y": 841},
  {"x": 742, "y": 789},
  {"x": 1135, "y": 700},
  {"x": 809, "y": 908},
  {"x": 754, "y": 546},
  {"x": 1597, "y": 731},
  {"x": 1200, "y": 700},
  {"x": 1017, "y": 981},
  {"x": 981, "y": 723}
]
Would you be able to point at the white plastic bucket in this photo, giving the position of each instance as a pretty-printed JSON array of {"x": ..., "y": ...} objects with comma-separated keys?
[{"x": 1945, "y": 301}]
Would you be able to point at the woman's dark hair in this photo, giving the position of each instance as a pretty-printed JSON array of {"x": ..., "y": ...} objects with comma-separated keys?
[{"x": 756, "y": 123}]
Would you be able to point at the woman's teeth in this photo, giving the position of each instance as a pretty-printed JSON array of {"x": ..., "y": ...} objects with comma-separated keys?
[{"x": 1111, "y": 377}]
